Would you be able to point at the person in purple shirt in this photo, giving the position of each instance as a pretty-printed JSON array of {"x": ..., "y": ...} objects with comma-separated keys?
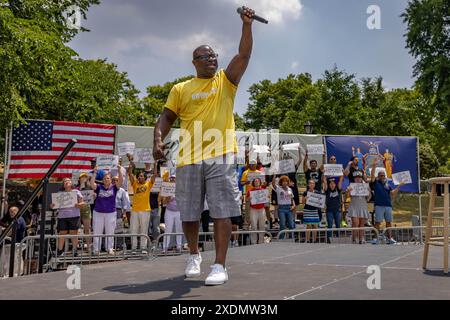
[
  {"x": 68, "y": 218},
  {"x": 104, "y": 215}
]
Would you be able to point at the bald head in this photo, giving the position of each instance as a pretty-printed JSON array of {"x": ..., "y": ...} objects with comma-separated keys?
[{"x": 198, "y": 51}]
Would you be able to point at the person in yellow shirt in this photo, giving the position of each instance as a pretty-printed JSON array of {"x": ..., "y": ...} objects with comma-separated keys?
[
  {"x": 140, "y": 209},
  {"x": 207, "y": 155},
  {"x": 247, "y": 183}
]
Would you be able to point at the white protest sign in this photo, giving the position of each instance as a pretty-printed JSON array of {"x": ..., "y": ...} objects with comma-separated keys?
[
  {"x": 143, "y": 155},
  {"x": 253, "y": 175},
  {"x": 107, "y": 162},
  {"x": 315, "y": 149},
  {"x": 265, "y": 158},
  {"x": 157, "y": 185},
  {"x": 259, "y": 196},
  {"x": 315, "y": 200},
  {"x": 126, "y": 148},
  {"x": 241, "y": 155},
  {"x": 88, "y": 196},
  {"x": 402, "y": 177},
  {"x": 168, "y": 189},
  {"x": 359, "y": 189},
  {"x": 261, "y": 149},
  {"x": 379, "y": 169},
  {"x": 333, "y": 170},
  {"x": 286, "y": 166},
  {"x": 64, "y": 199},
  {"x": 291, "y": 146}
]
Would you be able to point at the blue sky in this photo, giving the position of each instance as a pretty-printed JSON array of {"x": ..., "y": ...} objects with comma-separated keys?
[{"x": 153, "y": 40}]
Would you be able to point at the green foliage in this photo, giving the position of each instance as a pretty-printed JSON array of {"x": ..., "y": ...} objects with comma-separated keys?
[{"x": 429, "y": 163}]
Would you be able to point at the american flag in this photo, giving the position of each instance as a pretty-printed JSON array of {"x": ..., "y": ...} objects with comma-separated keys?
[{"x": 36, "y": 145}]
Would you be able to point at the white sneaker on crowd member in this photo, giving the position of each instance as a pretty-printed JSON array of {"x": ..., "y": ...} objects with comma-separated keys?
[
  {"x": 217, "y": 276},
  {"x": 193, "y": 265}
]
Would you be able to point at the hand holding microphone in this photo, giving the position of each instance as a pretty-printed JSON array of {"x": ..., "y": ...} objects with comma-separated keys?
[{"x": 247, "y": 13}]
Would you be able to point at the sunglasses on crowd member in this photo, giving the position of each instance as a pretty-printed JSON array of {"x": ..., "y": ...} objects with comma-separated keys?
[{"x": 206, "y": 57}]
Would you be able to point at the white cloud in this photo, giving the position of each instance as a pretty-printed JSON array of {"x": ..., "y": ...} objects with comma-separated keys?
[
  {"x": 295, "y": 65},
  {"x": 276, "y": 11}
]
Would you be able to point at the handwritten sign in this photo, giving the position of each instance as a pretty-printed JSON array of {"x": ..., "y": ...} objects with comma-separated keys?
[
  {"x": 259, "y": 196},
  {"x": 143, "y": 155},
  {"x": 88, "y": 196},
  {"x": 168, "y": 189},
  {"x": 253, "y": 175},
  {"x": 157, "y": 185},
  {"x": 64, "y": 199},
  {"x": 265, "y": 158},
  {"x": 291, "y": 146},
  {"x": 402, "y": 177},
  {"x": 126, "y": 148},
  {"x": 359, "y": 189},
  {"x": 315, "y": 149},
  {"x": 283, "y": 166},
  {"x": 333, "y": 170},
  {"x": 107, "y": 162},
  {"x": 315, "y": 200}
]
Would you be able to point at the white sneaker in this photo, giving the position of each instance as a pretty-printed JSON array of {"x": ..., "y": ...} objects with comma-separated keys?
[
  {"x": 193, "y": 265},
  {"x": 217, "y": 276}
]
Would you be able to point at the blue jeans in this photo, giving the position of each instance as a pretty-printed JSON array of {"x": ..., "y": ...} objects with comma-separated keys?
[
  {"x": 336, "y": 216},
  {"x": 286, "y": 218}
]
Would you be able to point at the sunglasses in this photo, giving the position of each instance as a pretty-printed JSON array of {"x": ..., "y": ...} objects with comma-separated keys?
[{"x": 206, "y": 57}]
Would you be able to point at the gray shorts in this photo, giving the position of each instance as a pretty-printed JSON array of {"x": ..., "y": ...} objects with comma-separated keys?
[{"x": 215, "y": 181}]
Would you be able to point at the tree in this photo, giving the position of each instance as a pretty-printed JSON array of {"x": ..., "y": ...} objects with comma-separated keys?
[
  {"x": 153, "y": 103},
  {"x": 239, "y": 122},
  {"x": 428, "y": 41}
]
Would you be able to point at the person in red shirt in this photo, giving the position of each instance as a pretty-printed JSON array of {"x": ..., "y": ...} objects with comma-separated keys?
[{"x": 257, "y": 212}]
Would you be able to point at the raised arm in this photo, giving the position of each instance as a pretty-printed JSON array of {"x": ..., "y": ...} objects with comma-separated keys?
[
  {"x": 372, "y": 171},
  {"x": 347, "y": 169},
  {"x": 299, "y": 158},
  {"x": 324, "y": 160},
  {"x": 305, "y": 162},
  {"x": 162, "y": 128},
  {"x": 239, "y": 63},
  {"x": 92, "y": 180},
  {"x": 341, "y": 179},
  {"x": 120, "y": 182},
  {"x": 130, "y": 171},
  {"x": 396, "y": 190}
]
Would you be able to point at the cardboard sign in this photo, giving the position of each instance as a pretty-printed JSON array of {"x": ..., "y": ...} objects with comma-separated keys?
[
  {"x": 333, "y": 170},
  {"x": 107, "y": 162},
  {"x": 402, "y": 177},
  {"x": 291, "y": 146},
  {"x": 168, "y": 189},
  {"x": 315, "y": 149},
  {"x": 259, "y": 196},
  {"x": 359, "y": 189},
  {"x": 125, "y": 148},
  {"x": 315, "y": 200},
  {"x": 64, "y": 199},
  {"x": 253, "y": 175},
  {"x": 143, "y": 155},
  {"x": 283, "y": 167},
  {"x": 157, "y": 185},
  {"x": 88, "y": 196}
]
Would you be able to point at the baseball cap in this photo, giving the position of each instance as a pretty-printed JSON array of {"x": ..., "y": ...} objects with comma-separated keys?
[
  {"x": 253, "y": 161},
  {"x": 84, "y": 174}
]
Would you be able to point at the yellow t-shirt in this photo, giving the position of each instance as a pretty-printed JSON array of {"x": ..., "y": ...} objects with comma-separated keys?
[
  {"x": 205, "y": 108},
  {"x": 141, "y": 197},
  {"x": 244, "y": 179}
]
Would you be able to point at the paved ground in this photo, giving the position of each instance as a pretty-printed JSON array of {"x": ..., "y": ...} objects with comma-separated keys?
[{"x": 274, "y": 271}]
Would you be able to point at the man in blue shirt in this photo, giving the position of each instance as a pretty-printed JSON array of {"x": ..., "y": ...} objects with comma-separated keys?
[{"x": 383, "y": 204}]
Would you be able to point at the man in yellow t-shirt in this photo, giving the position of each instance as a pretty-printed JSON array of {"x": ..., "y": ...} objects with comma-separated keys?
[
  {"x": 140, "y": 209},
  {"x": 206, "y": 161}
]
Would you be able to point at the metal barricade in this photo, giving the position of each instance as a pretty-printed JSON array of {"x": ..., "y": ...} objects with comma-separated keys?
[
  {"x": 206, "y": 241},
  {"x": 328, "y": 235},
  {"x": 410, "y": 235},
  {"x": 83, "y": 254}
]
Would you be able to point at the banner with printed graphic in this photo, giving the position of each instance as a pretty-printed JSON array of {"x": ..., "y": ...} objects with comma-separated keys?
[{"x": 393, "y": 154}]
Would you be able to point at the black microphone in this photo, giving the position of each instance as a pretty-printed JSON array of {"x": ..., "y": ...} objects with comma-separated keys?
[{"x": 255, "y": 17}]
